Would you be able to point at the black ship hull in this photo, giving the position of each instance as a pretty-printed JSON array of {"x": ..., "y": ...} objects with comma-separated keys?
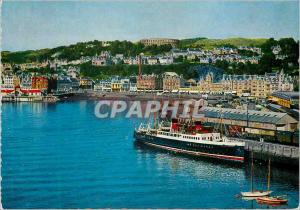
[{"x": 229, "y": 153}]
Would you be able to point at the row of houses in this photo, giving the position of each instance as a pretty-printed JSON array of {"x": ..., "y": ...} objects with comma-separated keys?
[
  {"x": 116, "y": 84},
  {"x": 198, "y": 55},
  {"x": 170, "y": 59},
  {"x": 229, "y": 58},
  {"x": 167, "y": 81},
  {"x": 45, "y": 84},
  {"x": 260, "y": 86},
  {"x": 105, "y": 58},
  {"x": 243, "y": 85}
]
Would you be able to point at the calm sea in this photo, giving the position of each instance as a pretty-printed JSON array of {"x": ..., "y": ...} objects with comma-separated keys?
[{"x": 62, "y": 156}]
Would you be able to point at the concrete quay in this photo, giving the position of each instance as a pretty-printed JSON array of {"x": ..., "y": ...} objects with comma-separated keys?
[{"x": 280, "y": 155}]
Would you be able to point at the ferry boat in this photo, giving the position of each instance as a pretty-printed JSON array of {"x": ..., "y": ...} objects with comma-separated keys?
[{"x": 194, "y": 142}]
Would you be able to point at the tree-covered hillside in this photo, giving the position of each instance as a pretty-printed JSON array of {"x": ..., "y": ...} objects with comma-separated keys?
[
  {"x": 75, "y": 51},
  {"x": 104, "y": 72},
  {"x": 267, "y": 63}
]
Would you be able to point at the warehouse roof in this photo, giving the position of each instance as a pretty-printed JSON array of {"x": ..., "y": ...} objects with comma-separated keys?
[
  {"x": 286, "y": 95},
  {"x": 277, "y": 118}
]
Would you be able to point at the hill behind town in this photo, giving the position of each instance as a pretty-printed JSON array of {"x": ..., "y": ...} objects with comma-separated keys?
[
  {"x": 127, "y": 48},
  {"x": 235, "y": 42}
]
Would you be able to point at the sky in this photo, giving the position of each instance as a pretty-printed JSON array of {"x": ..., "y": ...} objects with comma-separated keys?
[{"x": 36, "y": 25}]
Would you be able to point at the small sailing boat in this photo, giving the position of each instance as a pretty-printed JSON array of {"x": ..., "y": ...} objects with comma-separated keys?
[
  {"x": 272, "y": 200},
  {"x": 258, "y": 193}
]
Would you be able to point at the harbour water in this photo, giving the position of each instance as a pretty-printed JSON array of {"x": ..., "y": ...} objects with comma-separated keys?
[{"x": 61, "y": 156}]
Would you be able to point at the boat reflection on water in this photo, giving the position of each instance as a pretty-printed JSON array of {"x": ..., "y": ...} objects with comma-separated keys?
[
  {"x": 278, "y": 175},
  {"x": 179, "y": 157},
  {"x": 288, "y": 177},
  {"x": 199, "y": 167},
  {"x": 253, "y": 203}
]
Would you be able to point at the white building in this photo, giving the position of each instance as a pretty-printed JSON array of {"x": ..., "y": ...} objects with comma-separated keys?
[
  {"x": 176, "y": 53},
  {"x": 73, "y": 72},
  {"x": 105, "y": 43},
  {"x": 152, "y": 60},
  {"x": 119, "y": 56},
  {"x": 100, "y": 61},
  {"x": 7, "y": 82},
  {"x": 103, "y": 85},
  {"x": 166, "y": 60},
  {"x": 133, "y": 87},
  {"x": 204, "y": 60},
  {"x": 196, "y": 52},
  {"x": 26, "y": 82}
]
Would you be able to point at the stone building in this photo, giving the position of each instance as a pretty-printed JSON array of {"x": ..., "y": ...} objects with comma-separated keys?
[
  {"x": 149, "y": 82},
  {"x": 207, "y": 85},
  {"x": 259, "y": 86},
  {"x": 39, "y": 82},
  {"x": 171, "y": 81},
  {"x": 159, "y": 41},
  {"x": 9, "y": 81}
]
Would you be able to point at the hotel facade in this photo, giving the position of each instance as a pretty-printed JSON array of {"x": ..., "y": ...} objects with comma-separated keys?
[{"x": 260, "y": 86}]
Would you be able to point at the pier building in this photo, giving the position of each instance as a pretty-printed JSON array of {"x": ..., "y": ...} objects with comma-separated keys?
[
  {"x": 261, "y": 120},
  {"x": 277, "y": 127}
]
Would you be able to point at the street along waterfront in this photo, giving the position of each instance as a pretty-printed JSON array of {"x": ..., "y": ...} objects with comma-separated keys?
[{"x": 62, "y": 156}]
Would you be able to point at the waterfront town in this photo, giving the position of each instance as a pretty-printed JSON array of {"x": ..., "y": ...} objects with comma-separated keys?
[
  {"x": 139, "y": 104},
  {"x": 66, "y": 75},
  {"x": 271, "y": 97},
  {"x": 25, "y": 82}
]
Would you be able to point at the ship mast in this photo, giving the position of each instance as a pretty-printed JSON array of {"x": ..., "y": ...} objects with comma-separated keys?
[
  {"x": 269, "y": 174},
  {"x": 154, "y": 114},
  {"x": 252, "y": 171},
  {"x": 221, "y": 123}
]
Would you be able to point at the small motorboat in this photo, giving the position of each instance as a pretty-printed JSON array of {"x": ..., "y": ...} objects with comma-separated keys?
[
  {"x": 272, "y": 200},
  {"x": 257, "y": 193}
]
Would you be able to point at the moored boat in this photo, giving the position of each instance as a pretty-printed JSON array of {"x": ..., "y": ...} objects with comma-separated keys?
[
  {"x": 258, "y": 193},
  {"x": 272, "y": 200},
  {"x": 194, "y": 142},
  {"x": 50, "y": 99}
]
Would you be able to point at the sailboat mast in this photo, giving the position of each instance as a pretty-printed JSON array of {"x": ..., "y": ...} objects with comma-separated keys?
[
  {"x": 269, "y": 174},
  {"x": 252, "y": 171},
  {"x": 221, "y": 123},
  {"x": 154, "y": 114}
]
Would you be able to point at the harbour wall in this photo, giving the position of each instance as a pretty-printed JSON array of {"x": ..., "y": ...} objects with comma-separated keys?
[{"x": 280, "y": 155}]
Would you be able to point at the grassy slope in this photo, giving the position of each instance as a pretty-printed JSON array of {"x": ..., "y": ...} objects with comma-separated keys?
[
  {"x": 188, "y": 42},
  {"x": 211, "y": 43},
  {"x": 23, "y": 56}
]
